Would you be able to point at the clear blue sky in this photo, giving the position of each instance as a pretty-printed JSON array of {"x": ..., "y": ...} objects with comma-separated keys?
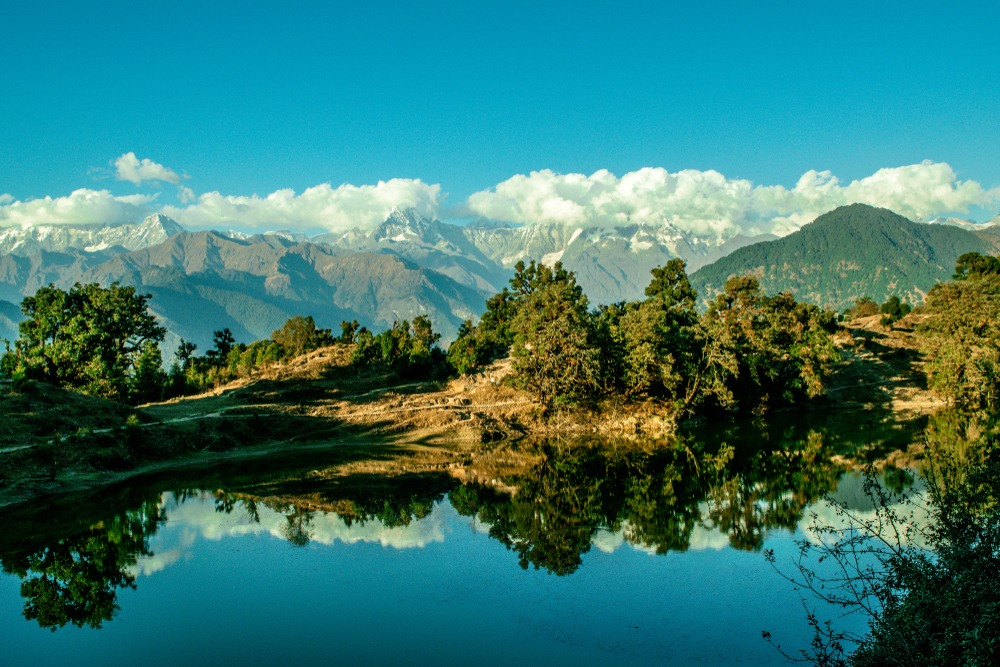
[{"x": 250, "y": 97}]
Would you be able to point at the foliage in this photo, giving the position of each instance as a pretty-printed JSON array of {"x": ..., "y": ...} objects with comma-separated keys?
[
  {"x": 893, "y": 310},
  {"x": 928, "y": 586},
  {"x": 974, "y": 265},
  {"x": 89, "y": 338},
  {"x": 657, "y": 498},
  {"x": 553, "y": 350},
  {"x": 229, "y": 360},
  {"x": 76, "y": 579},
  {"x": 761, "y": 350},
  {"x": 349, "y": 331},
  {"x": 493, "y": 336},
  {"x": 409, "y": 349},
  {"x": 863, "y": 307},
  {"x": 960, "y": 339},
  {"x": 300, "y": 335},
  {"x": 659, "y": 339},
  {"x": 749, "y": 349}
]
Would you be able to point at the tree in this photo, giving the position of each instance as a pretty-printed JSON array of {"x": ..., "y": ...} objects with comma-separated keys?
[
  {"x": 762, "y": 350},
  {"x": 409, "y": 349},
  {"x": 222, "y": 342},
  {"x": 300, "y": 335},
  {"x": 658, "y": 337},
  {"x": 864, "y": 307},
  {"x": 974, "y": 265},
  {"x": 185, "y": 350},
  {"x": 149, "y": 380},
  {"x": 554, "y": 352},
  {"x": 89, "y": 338},
  {"x": 960, "y": 339},
  {"x": 928, "y": 586},
  {"x": 893, "y": 310},
  {"x": 76, "y": 579},
  {"x": 348, "y": 331}
]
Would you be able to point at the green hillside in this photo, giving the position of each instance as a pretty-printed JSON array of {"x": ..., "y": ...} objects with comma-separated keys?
[
  {"x": 850, "y": 252},
  {"x": 10, "y": 315}
]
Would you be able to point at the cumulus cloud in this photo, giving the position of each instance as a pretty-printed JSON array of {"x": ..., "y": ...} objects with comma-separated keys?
[
  {"x": 708, "y": 204},
  {"x": 80, "y": 207},
  {"x": 130, "y": 168},
  {"x": 319, "y": 208}
]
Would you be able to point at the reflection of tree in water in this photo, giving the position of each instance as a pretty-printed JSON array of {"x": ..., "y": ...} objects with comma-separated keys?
[
  {"x": 395, "y": 504},
  {"x": 76, "y": 579},
  {"x": 771, "y": 492},
  {"x": 655, "y": 497}
]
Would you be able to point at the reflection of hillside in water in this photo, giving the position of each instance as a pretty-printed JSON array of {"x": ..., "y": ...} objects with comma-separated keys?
[{"x": 547, "y": 502}]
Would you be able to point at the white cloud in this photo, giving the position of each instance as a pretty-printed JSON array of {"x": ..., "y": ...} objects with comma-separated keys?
[
  {"x": 130, "y": 168},
  {"x": 319, "y": 208},
  {"x": 185, "y": 194},
  {"x": 708, "y": 204},
  {"x": 80, "y": 207}
]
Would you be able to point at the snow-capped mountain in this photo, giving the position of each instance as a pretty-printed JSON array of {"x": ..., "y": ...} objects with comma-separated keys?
[
  {"x": 966, "y": 224},
  {"x": 154, "y": 229},
  {"x": 612, "y": 263}
]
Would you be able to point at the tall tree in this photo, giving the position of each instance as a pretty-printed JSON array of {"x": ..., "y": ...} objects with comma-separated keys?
[
  {"x": 554, "y": 351},
  {"x": 88, "y": 338}
]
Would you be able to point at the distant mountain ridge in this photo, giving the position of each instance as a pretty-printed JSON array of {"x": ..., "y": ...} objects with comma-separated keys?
[
  {"x": 410, "y": 265},
  {"x": 90, "y": 238},
  {"x": 851, "y": 252}
]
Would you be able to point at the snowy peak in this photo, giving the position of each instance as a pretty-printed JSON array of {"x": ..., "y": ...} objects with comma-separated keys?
[
  {"x": 160, "y": 222},
  {"x": 404, "y": 225},
  {"x": 154, "y": 229},
  {"x": 965, "y": 224}
]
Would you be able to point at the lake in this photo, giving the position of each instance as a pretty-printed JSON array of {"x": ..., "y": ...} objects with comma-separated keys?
[{"x": 541, "y": 553}]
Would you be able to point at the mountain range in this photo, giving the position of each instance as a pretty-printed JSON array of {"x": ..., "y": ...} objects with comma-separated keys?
[
  {"x": 852, "y": 252},
  {"x": 410, "y": 265}
]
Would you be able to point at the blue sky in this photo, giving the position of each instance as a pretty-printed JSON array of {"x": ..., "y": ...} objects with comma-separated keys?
[{"x": 251, "y": 98}]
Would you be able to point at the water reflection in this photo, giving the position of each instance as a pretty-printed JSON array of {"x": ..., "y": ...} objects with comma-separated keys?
[
  {"x": 76, "y": 579},
  {"x": 547, "y": 502},
  {"x": 655, "y": 498}
]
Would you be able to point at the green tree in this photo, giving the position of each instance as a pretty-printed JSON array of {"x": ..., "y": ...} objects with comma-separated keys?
[
  {"x": 76, "y": 579},
  {"x": 761, "y": 351},
  {"x": 658, "y": 337},
  {"x": 893, "y": 310},
  {"x": 960, "y": 339},
  {"x": 149, "y": 380},
  {"x": 554, "y": 349},
  {"x": 89, "y": 338},
  {"x": 222, "y": 342},
  {"x": 300, "y": 335},
  {"x": 925, "y": 580},
  {"x": 348, "y": 331},
  {"x": 974, "y": 265}
]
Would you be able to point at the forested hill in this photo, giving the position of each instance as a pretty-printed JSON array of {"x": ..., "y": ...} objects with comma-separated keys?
[
  {"x": 850, "y": 252},
  {"x": 10, "y": 315}
]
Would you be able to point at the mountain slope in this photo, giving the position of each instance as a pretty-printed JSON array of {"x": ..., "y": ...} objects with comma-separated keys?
[
  {"x": 205, "y": 281},
  {"x": 10, "y": 315},
  {"x": 848, "y": 253},
  {"x": 91, "y": 238}
]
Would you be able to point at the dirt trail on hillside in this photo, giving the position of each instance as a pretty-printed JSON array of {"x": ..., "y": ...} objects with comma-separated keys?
[{"x": 52, "y": 440}]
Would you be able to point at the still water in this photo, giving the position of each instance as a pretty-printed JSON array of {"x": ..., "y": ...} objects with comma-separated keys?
[{"x": 580, "y": 554}]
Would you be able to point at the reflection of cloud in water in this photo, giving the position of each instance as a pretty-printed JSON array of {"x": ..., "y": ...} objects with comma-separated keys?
[
  {"x": 608, "y": 541},
  {"x": 850, "y": 491},
  {"x": 164, "y": 558},
  {"x": 196, "y": 517},
  {"x": 702, "y": 538}
]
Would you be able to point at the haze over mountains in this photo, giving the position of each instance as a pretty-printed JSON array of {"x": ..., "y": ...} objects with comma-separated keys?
[{"x": 410, "y": 265}]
